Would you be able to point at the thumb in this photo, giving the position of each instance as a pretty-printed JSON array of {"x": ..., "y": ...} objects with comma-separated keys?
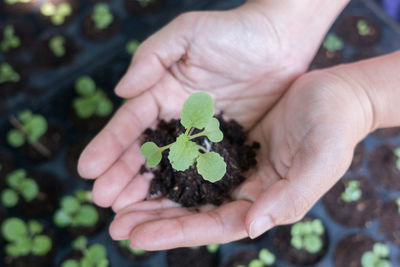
[
  {"x": 155, "y": 55},
  {"x": 315, "y": 168}
]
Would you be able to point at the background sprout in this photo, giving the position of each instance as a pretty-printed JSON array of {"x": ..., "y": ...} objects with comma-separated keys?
[
  {"x": 333, "y": 43},
  {"x": 212, "y": 248},
  {"x": 25, "y": 238},
  {"x": 10, "y": 40},
  {"x": 93, "y": 256},
  {"x": 8, "y": 74},
  {"x": 91, "y": 101},
  {"x": 19, "y": 185},
  {"x": 145, "y": 3},
  {"x": 265, "y": 258},
  {"x": 125, "y": 244},
  {"x": 378, "y": 257},
  {"x": 102, "y": 16},
  {"x": 57, "y": 13},
  {"x": 397, "y": 153},
  {"x": 398, "y": 204},
  {"x": 307, "y": 235},
  {"x": 352, "y": 192},
  {"x": 57, "y": 45},
  {"x": 132, "y": 46},
  {"x": 12, "y": 2},
  {"x": 74, "y": 212},
  {"x": 363, "y": 28},
  {"x": 33, "y": 126},
  {"x": 197, "y": 113}
]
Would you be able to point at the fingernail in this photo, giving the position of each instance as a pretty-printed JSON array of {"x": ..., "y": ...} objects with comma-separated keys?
[{"x": 259, "y": 226}]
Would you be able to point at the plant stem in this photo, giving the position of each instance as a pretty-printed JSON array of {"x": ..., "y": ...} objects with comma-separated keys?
[
  {"x": 166, "y": 147},
  {"x": 187, "y": 131},
  {"x": 36, "y": 145},
  {"x": 197, "y": 135},
  {"x": 202, "y": 148}
]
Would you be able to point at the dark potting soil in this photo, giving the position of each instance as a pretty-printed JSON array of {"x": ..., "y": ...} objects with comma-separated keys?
[
  {"x": 53, "y": 140},
  {"x": 359, "y": 153},
  {"x": 134, "y": 7},
  {"x": 24, "y": 30},
  {"x": 362, "y": 55},
  {"x": 299, "y": 257},
  {"x": 243, "y": 258},
  {"x": 189, "y": 188},
  {"x": 18, "y": 8},
  {"x": 325, "y": 58},
  {"x": 8, "y": 89},
  {"x": 129, "y": 255},
  {"x": 45, "y": 57},
  {"x": 46, "y": 201},
  {"x": 6, "y": 166},
  {"x": 352, "y": 214},
  {"x": 382, "y": 163},
  {"x": 348, "y": 31},
  {"x": 104, "y": 216},
  {"x": 46, "y": 20},
  {"x": 387, "y": 132},
  {"x": 94, "y": 34},
  {"x": 92, "y": 124},
  {"x": 72, "y": 157},
  {"x": 193, "y": 257},
  {"x": 349, "y": 250},
  {"x": 390, "y": 221}
]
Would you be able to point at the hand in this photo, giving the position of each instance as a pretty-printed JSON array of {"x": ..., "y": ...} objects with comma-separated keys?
[{"x": 307, "y": 143}]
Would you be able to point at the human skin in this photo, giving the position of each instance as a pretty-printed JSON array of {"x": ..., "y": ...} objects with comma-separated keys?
[{"x": 246, "y": 70}]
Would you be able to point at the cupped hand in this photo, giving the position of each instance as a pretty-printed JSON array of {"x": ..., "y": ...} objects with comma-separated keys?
[{"x": 307, "y": 143}]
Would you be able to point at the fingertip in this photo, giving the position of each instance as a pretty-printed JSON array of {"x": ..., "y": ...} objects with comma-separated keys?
[
  {"x": 86, "y": 167},
  {"x": 115, "y": 231}
]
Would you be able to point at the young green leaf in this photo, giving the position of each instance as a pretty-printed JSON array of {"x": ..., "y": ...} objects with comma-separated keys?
[
  {"x": 197, "y": 111},
  {"x": 104, "y": 106},
  {"x": 152, "y": 153},
  {"x": 41, "y": 245},
  {"x": 70, "y": 263},
  {"x": 85, "y": 86},
  {"x": 14, "y": 229},
  {"x": 212, "y": 131},
  {"x": 183, "y": 153},
  {"x": 34, "y": 227},
  {"x": 212, "y": 248},
  {"x": 87, "y": 215},
  {"x": 36, "y": 128},
  {"x": 8, "y": 74},
  {"x": 57, "y": 45},
  {"x": 83, "y": 107},
  {"x": 9, "y": 198},
  {"x": 80, "y": 243},
  {"x": 29, "y": 189},
  {"x": 333, "y": 43},
  {"x": 132, "y": 46},
  {"x": 211, "y": 166},
  {"x": 62, "y": 219},
  {"x": 256, "y": 263},
  {"x": 312, "y": 243},
  {"x": 15, "y": 138},
  {"x": 102, "y": 17},
  {"x": 266, "y": 257}
]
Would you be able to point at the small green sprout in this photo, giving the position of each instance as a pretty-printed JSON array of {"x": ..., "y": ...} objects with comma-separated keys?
[
  {"x": 363, "y": 28},
  {"x": 125, "y": 244},
  {"x": 398, "y": 204},
  {"x": 10, "y": 40},
  {"x": 33, "y": 126},
  {"x": 397, "y": 153},
  {"x": 57, "y": 45},
  {"x": 93, "y": 256},
  {"x": 197, "y": 113},
  {"x": 145, "y": 3},
  {"x": 91, "y": 100},
  {"x": 333, "y": 43},
  {"x": 102, "y": 16},
  {"x": 132, "y": 46},
  {"x": 12, "y": 2},
  {"x": 212, "y": 248},
  {"x": 19, "y": 185},
  {"x": 74, "y": 211},
  {"x": 25, "y": 238},
  {"x": 377, "y": 257},
  {"x": 8, "y": 74},
  {"x": 265, "y": 258},
  {"x": 352, "y": 192},
  {"x": 307, "y": 235},
  {"x": 57, "y": 13}
]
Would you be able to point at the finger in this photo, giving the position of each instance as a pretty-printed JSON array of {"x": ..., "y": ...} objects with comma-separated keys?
[
  {"x": 221, "y": 225},
  {"x": 155, "y": 55},
  {"x": 148, "y": 205},
  {"x": 315, "y": 168},
  {"x": 121, "y": 226},
  {"x": 124, "y": 128}
]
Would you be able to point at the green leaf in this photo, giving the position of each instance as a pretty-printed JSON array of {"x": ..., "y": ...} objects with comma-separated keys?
[
  {"x": 183, "y": 153},
  {"x": 70, "y": 263},
  {"x": 102, "y": 16},
  {"x": 297, "y": 242},
  {"x": 383, "y": 263},
  {"x": 197, "y": 111},
  {"x": 381, "y": 250},
  {"x": 96, "y": 253},
  {"x": 9, "y": 198},
  {"x": 41, "y": 245},
  {"x": 333, "y": 43},
  {"x": 368, "y": 259},
  {"x": 15, "y": 178},
  {"x": 211, "y": 166},
  {"x": 132, "y": 46},
  {"x": 15, "y": 138},
  {"x": 80, "y": 243},
  {"x": 84, "y": 108},
  {"x": 36, "y": 128},
  {"x": 34, "y": 227},
  {"x": 137, "y": 252},
  {"x": 124, "y": 243},
  {"x": 57, "y": 45},
  {"x": 70, "y": 204},
  {"x": 104, "y": 107},
  {"x": 152, "y": 153},
  {"x": 85, "y": 86},
  {"x": 25, "y": 116},
  {"x": 312, "y": 243},
  {"x": 212, "y": 248},
  {"x": 62, "y": 219},
  {"x": 29, "y": 189},
  {"x": 86, "y": 216},
  {"x": 212, "y": 131},
  {"x": 21, "y": 247},
  {"x": 317, "y": 227},
  {"x": 266, "y": 257},
  {"x": 14, "y": 229},
  {"x": 256, "y": 263},
  {"x": 83, "y": 195}
]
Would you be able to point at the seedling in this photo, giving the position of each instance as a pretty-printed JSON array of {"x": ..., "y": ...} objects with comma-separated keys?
[
  {"x": 102, "y": 16},
  {"x": 197, "y": 113},
  {"x": 333, "y": 43},
  {"x": 145, "y": 3},
  {"x": 93, "y": 256},
  {"x": 12, "y": 2},
  {"x": 125, "y": 244},
  {"x": 212, "y": 248},
  {"x": 57, "y": 13},
  {"x": 397, "y": 153},
  {"x": 19, "y": 185},
  {"x": 363, "y": 28},
  {"x": 75, "y": 211},
  {"x": 91, "y": 100},
  {"x": 352, "y": 192},
  {"x": 25, "y": 238},
  {"x": 10, "y": 40},
  {"x": 377, "y": 257},
  {"x": 57, "y": 45},
  {"x": 265, "y": 258},
  {"x": 8, "y": 74},
  {"x": 132, "y": 46},
  {"x": 398, "y": 204},
  {"x": 307, "y": 235}
]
